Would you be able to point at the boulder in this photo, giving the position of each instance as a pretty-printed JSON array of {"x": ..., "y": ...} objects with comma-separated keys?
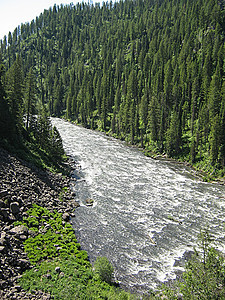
[
  {"x": 15, "y": 208},
  {"x": 46, "y": 297},
  {"x": 89, "y": 202},
  {"x": 17, "y": 288},
  {"x": 66, "y": 216},
  {"x": 19, "y": 230},
  {"x": 23, "y": 263},
  {"x": 4, "y": 212},
  {"x": 2, "y": 249},
  {"x": 48, "y": 276},
  {"x": 3, "y": 193},
  {"x": 3, "y": 238},
  {"x": 57, "y": 269},
  {"x": 23, "y": 237}
]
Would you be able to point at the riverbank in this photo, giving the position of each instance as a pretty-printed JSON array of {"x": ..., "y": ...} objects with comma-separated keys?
[{"x": 22, "y": 185}]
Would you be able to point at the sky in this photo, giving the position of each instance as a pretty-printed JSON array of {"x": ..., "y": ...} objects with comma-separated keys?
[{"x": 15, "y": 12}]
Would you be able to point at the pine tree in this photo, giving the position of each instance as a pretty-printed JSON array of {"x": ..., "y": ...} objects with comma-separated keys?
[
  {"x": 30, "y": 97},
  {"x": 56, "y": 145},
  {"x": 222, "y": 124},
  {"x": 58, "y": 98},
  {"x": 214, "y": 139},
  {"x": 215, "y": 95},
  {"x": 69, "y": 106},
  {"x": 43, "y": 130},
  {"x": 143, "y": 117},
  {"x": 5, "y": 117},
  {"x": 173, "y": 135},
  {"x": 153, "y": 119},
  {"x": 15, "y": 93}
]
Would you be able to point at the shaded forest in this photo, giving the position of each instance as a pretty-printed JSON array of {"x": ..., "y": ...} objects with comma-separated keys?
[{"x": 148, "y": 72}]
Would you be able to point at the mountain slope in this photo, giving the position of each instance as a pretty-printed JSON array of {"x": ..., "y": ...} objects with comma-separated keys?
[{"x": 150, "y": 72}]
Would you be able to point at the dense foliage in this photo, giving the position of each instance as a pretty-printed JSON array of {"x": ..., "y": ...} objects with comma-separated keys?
[
  {"x": 46, "y": 242},
  {"x": 25, "y": 126},
  {"x": 151, "y": 72}
]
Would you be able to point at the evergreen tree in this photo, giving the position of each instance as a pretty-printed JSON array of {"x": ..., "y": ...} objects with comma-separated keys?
[
  {"x": 5, "y": 117},
  {"x": 173, "y": 135},
  {"x": 30, "y": 97},
  {"x": 56, "y": 148},
  {"x": 43, "y": 130},
  {"x": 15, "y": 93},
  {"x": 215, "y": 95},
  {"x": 214, "y": 139}
]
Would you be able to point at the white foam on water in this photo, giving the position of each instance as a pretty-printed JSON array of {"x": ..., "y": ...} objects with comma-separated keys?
[
  {"x": 167, "y": 260},
  {"x": 133, "y": 197},
  {"x": 104, "y": 222}
]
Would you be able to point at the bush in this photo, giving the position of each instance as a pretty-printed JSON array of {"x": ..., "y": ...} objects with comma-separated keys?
[
  {"x": 103, "y": 269},
  {"x": 204, "y": 277},
  {"x": 205, "y": 274}
]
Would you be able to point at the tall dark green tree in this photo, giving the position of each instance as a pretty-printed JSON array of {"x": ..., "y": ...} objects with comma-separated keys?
[
  {"x": 30, "y": 98},
  {"x": 173, "y": 135},
  {"x": 15, "y": 93},
  {"x": 5, "y": 116}
]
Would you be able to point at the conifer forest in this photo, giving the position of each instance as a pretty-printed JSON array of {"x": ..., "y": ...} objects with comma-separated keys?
[{"x": 149, "y": 72}]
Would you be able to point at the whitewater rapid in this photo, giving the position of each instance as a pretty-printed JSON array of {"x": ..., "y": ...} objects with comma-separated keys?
[{"x": 147, "y": 213}]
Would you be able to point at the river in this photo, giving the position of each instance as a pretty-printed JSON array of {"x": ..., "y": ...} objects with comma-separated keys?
[{"x": 137, "y": 203}]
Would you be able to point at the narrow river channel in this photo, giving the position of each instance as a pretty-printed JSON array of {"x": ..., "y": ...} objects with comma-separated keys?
[{"x": 138, "y": 202}]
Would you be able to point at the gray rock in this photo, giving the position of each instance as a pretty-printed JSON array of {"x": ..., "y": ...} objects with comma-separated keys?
[
  {"x": 89, "y": 202},
  {"x": 17, "y": 288},
  {"x": 2, "y": 249},
  {"x": 23, "y": 237},
  {"x": 66, "y": 217},
  {"x": 46, "y": 297},
  {"x": 3, "y": 284},
  {"x": 3, "y": 193},
  {"x": 14, "y": 208},
  {"x": 23, "y": 263},
  {"x": 19, "y": 230},
  {"x": 4, "y": 212},
  {"x": 3, "y": 238},
  {"x": 2, "y": 204}
]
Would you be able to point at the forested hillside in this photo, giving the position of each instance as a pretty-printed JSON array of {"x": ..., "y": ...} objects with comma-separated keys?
[{"x": 149, "y": 72}]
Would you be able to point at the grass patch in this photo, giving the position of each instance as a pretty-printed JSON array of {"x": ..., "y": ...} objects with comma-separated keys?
[
  {"x": 68, "y": 279},
  {"x": 51, "y": 236},
  {"x": 60, "y": 267}
]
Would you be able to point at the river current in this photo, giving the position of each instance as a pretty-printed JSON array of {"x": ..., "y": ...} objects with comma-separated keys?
[{"x": 147, "y": 213}]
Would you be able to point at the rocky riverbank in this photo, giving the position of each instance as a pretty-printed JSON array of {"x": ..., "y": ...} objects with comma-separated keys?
[{"x": 22, "y": 185}]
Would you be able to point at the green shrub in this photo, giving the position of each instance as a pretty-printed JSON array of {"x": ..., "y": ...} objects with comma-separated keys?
[
  {"x": 204, "y": 276},
  {"x": 75, "y": 281},
  {"x": 103, "y": 269},
  {"x": 205, "y": 272}
]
